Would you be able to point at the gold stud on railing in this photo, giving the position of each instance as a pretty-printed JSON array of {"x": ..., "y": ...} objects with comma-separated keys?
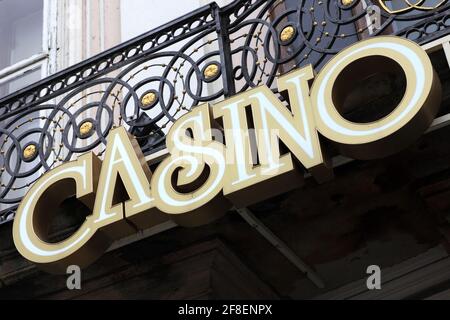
[
  {"x": 211, "y": 71},
  {"x": 86, "y": 128},
  {"x": 149, "y": 99},
  {"x": 287, "y": 34},
  {"x": 347, "y": 2},
  {"x": 29, "y": 152}
]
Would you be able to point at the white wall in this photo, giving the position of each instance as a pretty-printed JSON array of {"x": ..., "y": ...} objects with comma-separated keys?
[{"x": 139, "y": 16}]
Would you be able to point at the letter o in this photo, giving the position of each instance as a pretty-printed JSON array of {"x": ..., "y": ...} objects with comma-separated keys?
[{"x": 404, "y": 124}]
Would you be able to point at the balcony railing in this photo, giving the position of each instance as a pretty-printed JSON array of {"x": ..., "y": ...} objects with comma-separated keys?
[{"x": 147, "y": 83}]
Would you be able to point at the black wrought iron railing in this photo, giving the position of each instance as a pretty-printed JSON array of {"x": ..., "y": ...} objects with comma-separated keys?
[{"x": 147, "y": 83}]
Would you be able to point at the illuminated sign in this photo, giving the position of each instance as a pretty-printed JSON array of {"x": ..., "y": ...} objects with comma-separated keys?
[{"x": 205, "y": 175}]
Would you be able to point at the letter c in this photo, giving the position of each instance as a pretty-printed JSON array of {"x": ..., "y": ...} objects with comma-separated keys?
[{"x": 31, "y": 227}]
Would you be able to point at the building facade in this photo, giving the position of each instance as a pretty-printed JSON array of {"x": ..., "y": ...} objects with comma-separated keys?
[{"x": 73, "y": 71}]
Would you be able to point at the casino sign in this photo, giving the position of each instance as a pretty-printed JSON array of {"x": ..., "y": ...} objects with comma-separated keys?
[{"x": 204, "y": 176}]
